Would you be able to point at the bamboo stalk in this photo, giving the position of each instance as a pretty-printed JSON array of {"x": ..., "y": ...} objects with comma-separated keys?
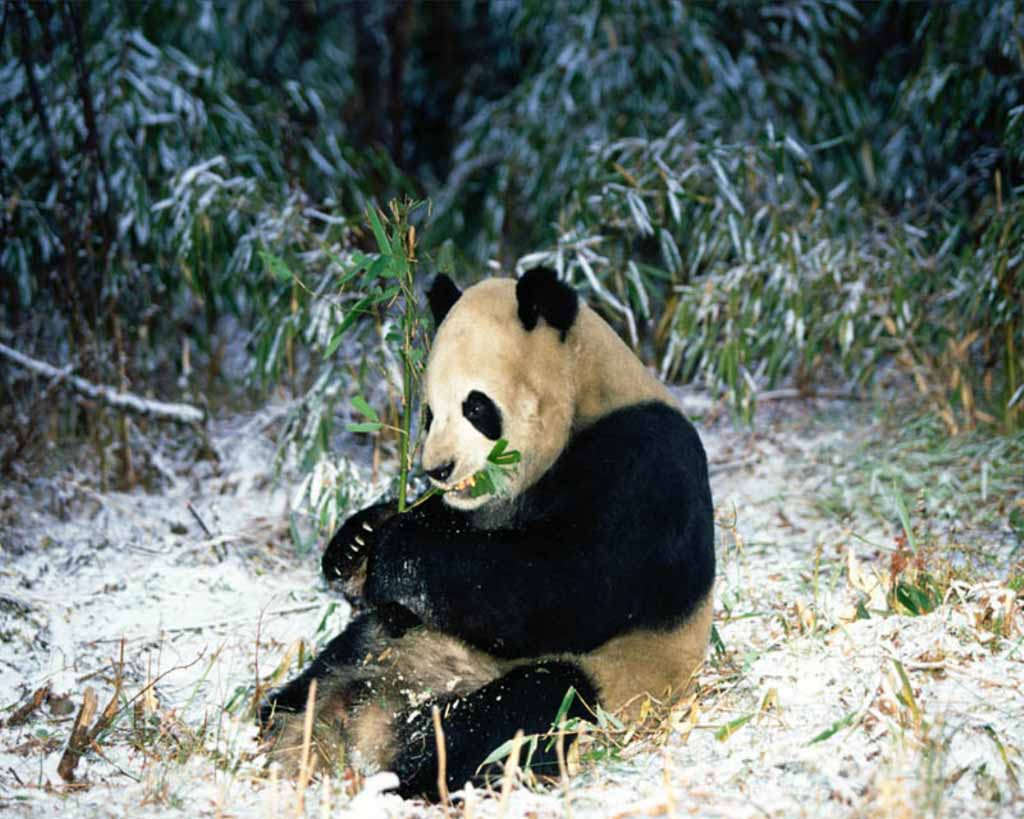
[{"x": 79, "y": 741}]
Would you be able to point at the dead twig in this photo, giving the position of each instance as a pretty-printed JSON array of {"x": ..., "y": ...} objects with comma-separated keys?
[
  {"x": 25, "y": 711},
  {"x": 199, "y": 520},
  {"x": 792, "y": 393},
  {"x": 257, "y": 693},
  {"x": 82, "y": 735},
  {"x": 728, "y": 466},
  {"x": 78, "y": 744}
]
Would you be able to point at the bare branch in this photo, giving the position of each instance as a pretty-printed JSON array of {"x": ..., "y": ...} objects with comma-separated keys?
[{"x": 126, "y": 401}]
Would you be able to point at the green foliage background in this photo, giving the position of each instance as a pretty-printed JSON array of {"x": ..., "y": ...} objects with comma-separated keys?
[{"x": 789, "y": 192}]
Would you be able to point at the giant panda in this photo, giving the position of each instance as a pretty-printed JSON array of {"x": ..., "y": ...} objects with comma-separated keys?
[{"x": 594, "y": 571}]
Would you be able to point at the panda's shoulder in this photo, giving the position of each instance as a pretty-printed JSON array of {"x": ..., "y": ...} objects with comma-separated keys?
[
  {"x": 649, "y": 427},
  {"x": 647, "y": 452}
]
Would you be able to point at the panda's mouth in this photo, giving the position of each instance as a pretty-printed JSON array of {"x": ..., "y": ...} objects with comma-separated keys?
[{"x": 461, "y": 488}]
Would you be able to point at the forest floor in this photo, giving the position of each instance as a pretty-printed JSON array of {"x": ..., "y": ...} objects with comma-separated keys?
[{"x": 868, "y": 658}]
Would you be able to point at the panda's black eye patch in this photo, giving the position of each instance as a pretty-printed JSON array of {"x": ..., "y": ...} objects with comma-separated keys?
[
  {"x": 483, "y": 414},
  {"x": 428, "y": 420}
]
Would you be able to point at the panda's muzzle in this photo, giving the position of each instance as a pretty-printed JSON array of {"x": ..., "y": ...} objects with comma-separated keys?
[{"x": 440, "y": 475}]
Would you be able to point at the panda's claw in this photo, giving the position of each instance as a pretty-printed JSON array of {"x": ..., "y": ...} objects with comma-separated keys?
[
  {"x": 367, "y": 526},
  {"x": 360, "y": 541}
]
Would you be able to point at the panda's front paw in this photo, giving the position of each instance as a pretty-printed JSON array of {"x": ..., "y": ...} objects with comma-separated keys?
[{"x": 345, "y": 556}]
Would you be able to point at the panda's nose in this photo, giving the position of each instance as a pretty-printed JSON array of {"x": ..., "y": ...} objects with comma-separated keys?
[{"x": 441, "y": 473}]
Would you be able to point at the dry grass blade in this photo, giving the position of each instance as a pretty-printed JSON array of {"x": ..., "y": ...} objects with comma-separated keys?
[
  {"x": 325, "y": 798},
  {"x": 563, "y": 771},
  {"x": 306, "y": 766},
  {"x": 442, "y": 772},
  {"x": 509, "y": 775}
]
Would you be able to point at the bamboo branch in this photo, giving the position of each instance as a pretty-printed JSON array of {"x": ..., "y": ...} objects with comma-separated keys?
[{"x": 125, "y": 401}]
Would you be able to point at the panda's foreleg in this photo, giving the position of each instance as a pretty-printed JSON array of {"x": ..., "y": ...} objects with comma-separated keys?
[{"x": 526, "y": 698}]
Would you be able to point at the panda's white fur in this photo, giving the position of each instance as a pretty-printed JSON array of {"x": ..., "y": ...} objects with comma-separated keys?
[{"x": 546, "y": 388}]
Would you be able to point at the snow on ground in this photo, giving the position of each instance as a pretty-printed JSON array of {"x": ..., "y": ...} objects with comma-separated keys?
[{"x": 807, "y": 707}]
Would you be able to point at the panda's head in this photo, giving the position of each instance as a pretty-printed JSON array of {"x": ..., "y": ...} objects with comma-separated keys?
[{"x": 501, "y": 366}]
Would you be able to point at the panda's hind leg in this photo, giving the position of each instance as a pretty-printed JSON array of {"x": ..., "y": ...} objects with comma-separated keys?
[
  {"x": 343, "y": 651},
  {"x": 526, "y": 698}
]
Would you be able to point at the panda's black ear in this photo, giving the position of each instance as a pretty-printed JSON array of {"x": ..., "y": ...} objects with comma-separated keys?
[
  {"x": 441, "y": 296},
  {"x": 541, "y": 294}
]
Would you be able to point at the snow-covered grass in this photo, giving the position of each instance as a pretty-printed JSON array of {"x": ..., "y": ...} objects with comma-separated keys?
[{"x": 868, "y": 660}]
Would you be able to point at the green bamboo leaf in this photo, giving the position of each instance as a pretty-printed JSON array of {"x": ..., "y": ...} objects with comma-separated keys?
[
  {"x": 356, "y": 263},
  {"x": 380, "y": 268},
  {"x": 563, "y": 709},
  {"x": 276, "y": 266},
  {"x": 717, "y": 642},
  {"x": 607, "y": 720},
  {"x": 358, "y": 309},
  {"x": 363, "y": 408},
  {"x": 904, "y": 516},
  {"x": 367, "y": 426},
  {"x": 730, "y": 728},
  {"x": 834, "y": 728},
  {"x": 378, "y": 231},
  {"x": 401, "y": 264},
  {"x": 503, "y": 457},
  {"x": 483, "y": 485},
  {"x": 906, "y": 693},
  {"x": 499, "y": 753},
  {"x": 531, "y": 749}
]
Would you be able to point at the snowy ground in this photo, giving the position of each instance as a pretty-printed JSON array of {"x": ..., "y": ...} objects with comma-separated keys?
[{"x": 818, "y": 699}]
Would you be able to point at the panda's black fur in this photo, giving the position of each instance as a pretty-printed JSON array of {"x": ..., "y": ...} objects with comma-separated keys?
[
  {"x": 607, "y": 517},
  {"x": 615, "y": 539}
]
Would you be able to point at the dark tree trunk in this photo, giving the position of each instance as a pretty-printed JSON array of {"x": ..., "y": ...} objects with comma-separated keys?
[
  {"x": 398, "y": 44},
  {"x": 66, "y": 286},
  {"x": 102, "y": 207},
  {"x": 365, "y": 113}
]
